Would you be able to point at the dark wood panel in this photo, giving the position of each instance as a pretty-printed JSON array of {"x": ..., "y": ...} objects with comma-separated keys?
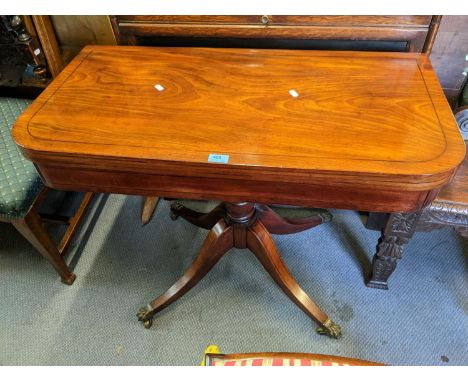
[
  {"x": 389, "y": 21},
  {"x": 252, "y": 19},
  {"x": 410, "y": 29},
  {"x": 415, "y": 36},
  {"x": 415, "y": 21}
]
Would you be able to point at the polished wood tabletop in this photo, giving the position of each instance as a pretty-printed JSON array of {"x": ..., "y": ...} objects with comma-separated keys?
[{"x": 295, "y": 127}]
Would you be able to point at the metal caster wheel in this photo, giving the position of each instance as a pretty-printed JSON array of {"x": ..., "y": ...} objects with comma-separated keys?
[
  {"x": 148, "y": 323},
  {"x": 175, "y": 207},
  {"x": 143, "y": 314},
  {"x": 329, "y": 329}
]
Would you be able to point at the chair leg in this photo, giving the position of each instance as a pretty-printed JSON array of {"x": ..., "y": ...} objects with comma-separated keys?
[
  {"x": 149, "y": 205},
  {"x": 33, "y": 231}
]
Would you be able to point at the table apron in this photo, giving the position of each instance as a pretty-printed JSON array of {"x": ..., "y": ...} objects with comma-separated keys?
[{"x": 235, "y": 190}]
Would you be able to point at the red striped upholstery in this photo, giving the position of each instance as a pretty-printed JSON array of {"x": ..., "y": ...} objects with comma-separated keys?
[{"x": 272, "y": 362}]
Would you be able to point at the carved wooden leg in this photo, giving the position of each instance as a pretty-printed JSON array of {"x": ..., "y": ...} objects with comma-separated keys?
[
  {"x": 218, "y": 242},
  {"x": 200, "y": 219},
  {"x": 149, "y": 205},
  {"x": 278, "y": 225},
  {"x": 33, "y": 231},
  {"x": 262, "y": 245},
  {"x": 397, "y": 232}
]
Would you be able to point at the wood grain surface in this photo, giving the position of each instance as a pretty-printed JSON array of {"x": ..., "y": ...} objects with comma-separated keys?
[
  {"x": 373, "y": 122},
  {"x": 415, "y": 21}
]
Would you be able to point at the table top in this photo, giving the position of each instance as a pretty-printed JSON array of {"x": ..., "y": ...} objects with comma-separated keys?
[{"x": 381, "y": 118}]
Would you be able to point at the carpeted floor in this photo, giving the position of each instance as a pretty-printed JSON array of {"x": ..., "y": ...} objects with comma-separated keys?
[{"x": 421, "y": 320}]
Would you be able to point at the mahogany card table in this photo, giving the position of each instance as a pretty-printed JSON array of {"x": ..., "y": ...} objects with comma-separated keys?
[{"x": 349, "y": 130}]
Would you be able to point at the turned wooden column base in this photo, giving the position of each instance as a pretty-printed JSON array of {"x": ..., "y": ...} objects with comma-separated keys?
[{"x": 243, "y": 225}]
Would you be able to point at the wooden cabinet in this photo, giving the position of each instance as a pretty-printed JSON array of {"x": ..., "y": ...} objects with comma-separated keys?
[{"x": 391, "y": 33}]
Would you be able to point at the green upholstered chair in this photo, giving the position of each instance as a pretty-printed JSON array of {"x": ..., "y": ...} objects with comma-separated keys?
[
  {"x": 22, "y": 191},
  {"x": 19, "y": 182}
]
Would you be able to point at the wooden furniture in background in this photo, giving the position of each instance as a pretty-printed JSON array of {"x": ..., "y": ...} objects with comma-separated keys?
[
  {"x": 75, "y": 31},
  {"x": 31, "y": 227},
  {"x": 42, "y": 26},
  {"x": 155, "y": 130},
  {"x": 401, "y": 33},
  {"x": 22, "y": 193},
  {"x": 30, "y": 56}
]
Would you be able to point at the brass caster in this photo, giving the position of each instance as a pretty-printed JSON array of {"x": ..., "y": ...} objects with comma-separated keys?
[
  {"x": 326, "y": 216},
  {"x": 69, "y": 280},
  {"x": 145, "y": 314},
  {"x": 148, "y": 323},
  {"x": 329, "y": 329},
  {"x": 174, "y": 208}
]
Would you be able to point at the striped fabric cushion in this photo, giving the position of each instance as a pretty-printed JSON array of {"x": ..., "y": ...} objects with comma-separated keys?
[{"x": 273, "y": 362}]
